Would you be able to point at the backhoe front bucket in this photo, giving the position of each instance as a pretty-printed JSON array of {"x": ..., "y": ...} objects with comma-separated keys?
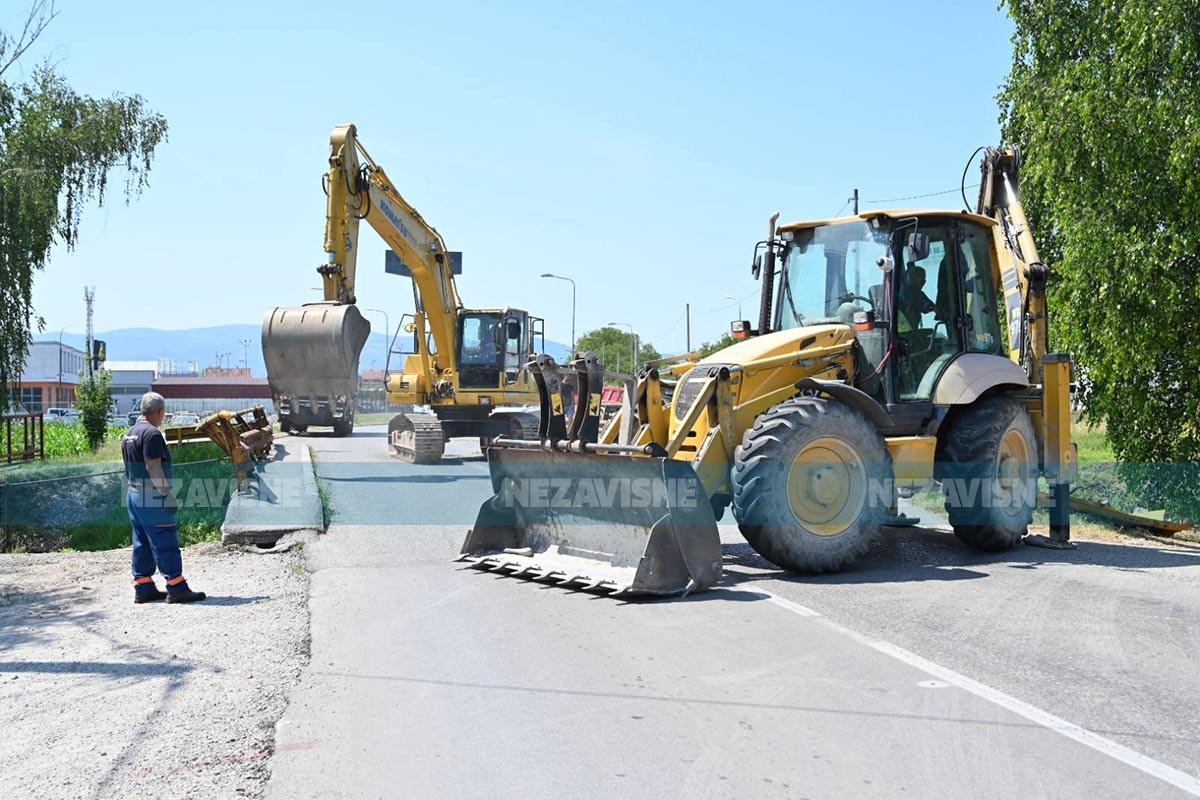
[
  {"x": 610, "y": 522},
  {"x": 311, "y": 353}
]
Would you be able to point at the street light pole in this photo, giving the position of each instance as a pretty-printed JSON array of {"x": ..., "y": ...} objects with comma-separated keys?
[
  {"x": 633, "y": 346},
  {"x": 561, "y": 278},
  {"x": 245, "y": 343}
]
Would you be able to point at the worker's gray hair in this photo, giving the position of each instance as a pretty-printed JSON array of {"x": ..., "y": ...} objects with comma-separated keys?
[{"x": 152, "y": 403}]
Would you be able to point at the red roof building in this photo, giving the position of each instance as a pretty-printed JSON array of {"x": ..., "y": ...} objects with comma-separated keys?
[{"x": 216, "y": 387}]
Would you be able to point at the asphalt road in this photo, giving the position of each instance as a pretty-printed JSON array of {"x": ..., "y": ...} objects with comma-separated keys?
[{"x": 929, "y": 671}]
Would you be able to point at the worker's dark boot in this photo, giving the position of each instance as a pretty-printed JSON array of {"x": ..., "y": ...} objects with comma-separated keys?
[
  {"x": 146, "y": 592},
  {"x": 182, "y": 593}
]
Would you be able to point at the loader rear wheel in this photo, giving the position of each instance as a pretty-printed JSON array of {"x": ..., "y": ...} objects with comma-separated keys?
[
  {"x": 811, "y": 485},
  {"x": 987, "y": 462},
  {"x": 343, "y": 427}
]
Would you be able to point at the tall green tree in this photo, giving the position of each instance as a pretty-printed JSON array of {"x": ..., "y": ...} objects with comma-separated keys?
[
  {"x": 1104, "y": 100},
  {"x": 57, "y": 151},
  {"x": 94, "y": 398},
  {"x": 708, "y": 348},
  {"x": 615, "y": 348}
]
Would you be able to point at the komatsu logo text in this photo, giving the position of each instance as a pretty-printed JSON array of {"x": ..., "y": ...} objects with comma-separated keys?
[{"x": 395, "y": 220}]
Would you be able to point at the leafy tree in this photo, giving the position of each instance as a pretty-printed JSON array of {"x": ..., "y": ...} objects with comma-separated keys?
[
  {"x": 1104, "y": 99},
  {"x": 57, "y": 149},
  {"x": 93, "y": 397},
  {"x": 615, "y": 347},
  {"x": 708, "y": 348}
]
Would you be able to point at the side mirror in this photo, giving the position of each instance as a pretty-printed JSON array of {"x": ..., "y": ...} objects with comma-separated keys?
[
  {"x": 918, "y": 246},
  {"x": 514, "y": 329},
  {"x": 756, "y": 267}
]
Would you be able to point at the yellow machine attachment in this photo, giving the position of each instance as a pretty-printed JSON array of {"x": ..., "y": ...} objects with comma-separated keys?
[
  {"x": 246, "y": 437},
  {"x": 568, "y": 509}
]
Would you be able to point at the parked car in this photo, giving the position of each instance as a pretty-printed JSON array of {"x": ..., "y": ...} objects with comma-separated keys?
[
  {"x": 57, "y": 413},
  {"x": 183, "y": 419}
]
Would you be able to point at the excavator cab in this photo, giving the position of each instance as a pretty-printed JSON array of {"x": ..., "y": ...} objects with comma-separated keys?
[{"x": 492, "y": 344}]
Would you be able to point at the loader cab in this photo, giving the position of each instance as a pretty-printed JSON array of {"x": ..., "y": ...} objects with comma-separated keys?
[
  {"x": 919, "y": 291},
  {"x": 945, "y": 302},
  {"x": 492, "y": 344}
]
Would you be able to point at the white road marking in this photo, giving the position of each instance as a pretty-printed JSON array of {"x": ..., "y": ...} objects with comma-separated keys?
[{"x": 1178, "y": 779}]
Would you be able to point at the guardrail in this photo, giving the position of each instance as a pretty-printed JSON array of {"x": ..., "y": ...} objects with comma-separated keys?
[{"x": 32, "y": 442}]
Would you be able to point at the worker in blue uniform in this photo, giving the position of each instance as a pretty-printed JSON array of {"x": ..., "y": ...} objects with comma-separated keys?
[{"x": 153, "y": 508}]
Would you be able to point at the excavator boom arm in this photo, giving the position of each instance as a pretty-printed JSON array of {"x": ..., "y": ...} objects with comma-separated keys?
[{"x": 359, "y": 189}]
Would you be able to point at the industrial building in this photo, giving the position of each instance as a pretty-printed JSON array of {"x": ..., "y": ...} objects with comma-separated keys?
[{"x": 50, "y": 376}]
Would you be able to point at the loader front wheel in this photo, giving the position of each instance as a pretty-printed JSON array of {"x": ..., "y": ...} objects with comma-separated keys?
[
  {"x": 987, "y": 462},
  {"x": 811, "y": 485}
]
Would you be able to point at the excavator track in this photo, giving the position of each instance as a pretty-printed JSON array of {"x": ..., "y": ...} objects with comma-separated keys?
[
  {"x": 527, "y": 423},
  {"x": 416, "y": 438},
  {"x": 524, "y": 426}
]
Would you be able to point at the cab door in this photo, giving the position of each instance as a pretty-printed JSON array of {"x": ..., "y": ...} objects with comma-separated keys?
[{"x": 945, "y": 301}]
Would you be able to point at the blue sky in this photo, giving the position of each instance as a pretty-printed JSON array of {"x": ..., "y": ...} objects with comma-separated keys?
[{"x": 636, "y": 147}]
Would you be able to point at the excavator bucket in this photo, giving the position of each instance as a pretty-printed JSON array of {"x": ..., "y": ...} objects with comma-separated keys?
[
  {"x": 614, "y": 518},
  {"x": 311, "y": 353}
]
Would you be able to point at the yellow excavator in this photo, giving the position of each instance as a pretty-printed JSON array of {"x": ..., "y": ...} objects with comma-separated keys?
[
  {"x": 467, "y": 365},
  {"x": 893, "y": 350}
]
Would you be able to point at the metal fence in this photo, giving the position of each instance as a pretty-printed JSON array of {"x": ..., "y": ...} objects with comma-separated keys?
[{"x": 84, "y": 507}]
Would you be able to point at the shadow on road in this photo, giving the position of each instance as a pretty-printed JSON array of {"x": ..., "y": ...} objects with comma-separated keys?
[
  {"x": 30, "y": 616},
  {"x": 923, "y": 554},
  {"x": 113, "y": 669},
  {"x": 234, "y": 600}
]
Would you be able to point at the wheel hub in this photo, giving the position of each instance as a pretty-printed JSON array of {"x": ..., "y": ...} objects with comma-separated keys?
[{"x": 826, "y": 486}]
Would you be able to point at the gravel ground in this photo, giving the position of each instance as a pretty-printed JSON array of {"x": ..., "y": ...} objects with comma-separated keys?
[{"x": 103, "y": 698}]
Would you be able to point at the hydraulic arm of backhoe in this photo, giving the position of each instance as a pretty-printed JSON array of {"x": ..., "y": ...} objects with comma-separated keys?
[
  {"x": 1023, "y": 277},
  {"x": 359, "y": 189}
]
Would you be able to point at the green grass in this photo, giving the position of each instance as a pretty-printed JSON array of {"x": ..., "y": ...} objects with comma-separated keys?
[
  {"x": 380, "y": 418},
  {"x": 1093, "y": 444},
  {"x": 322, "y": 492}
]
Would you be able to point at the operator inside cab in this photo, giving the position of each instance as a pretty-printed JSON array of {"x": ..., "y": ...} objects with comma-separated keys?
[{"x": 914, "y": 303}]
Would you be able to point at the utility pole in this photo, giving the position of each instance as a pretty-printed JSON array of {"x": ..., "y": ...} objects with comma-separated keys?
[
  {"x": 687, "y": 312},
  {"x": 855, "y": 201},
  {"x": 89, "y": 295}
]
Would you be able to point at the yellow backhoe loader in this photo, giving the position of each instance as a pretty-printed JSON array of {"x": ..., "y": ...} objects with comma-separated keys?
[
  {"x": 467, "y": 364},
  {"x": 893, "y": 349}
]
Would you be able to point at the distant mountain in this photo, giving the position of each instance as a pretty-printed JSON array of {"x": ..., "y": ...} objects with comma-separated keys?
[{"x": 203, "y": 345}]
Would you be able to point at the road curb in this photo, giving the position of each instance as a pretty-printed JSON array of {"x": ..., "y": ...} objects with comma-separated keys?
[{"x": 282, "y": 498}]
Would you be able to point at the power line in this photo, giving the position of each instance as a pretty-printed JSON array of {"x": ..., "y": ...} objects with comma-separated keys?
[
  {"x": 920, "y": 196},
  {"x": 731, "y": 305}
]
